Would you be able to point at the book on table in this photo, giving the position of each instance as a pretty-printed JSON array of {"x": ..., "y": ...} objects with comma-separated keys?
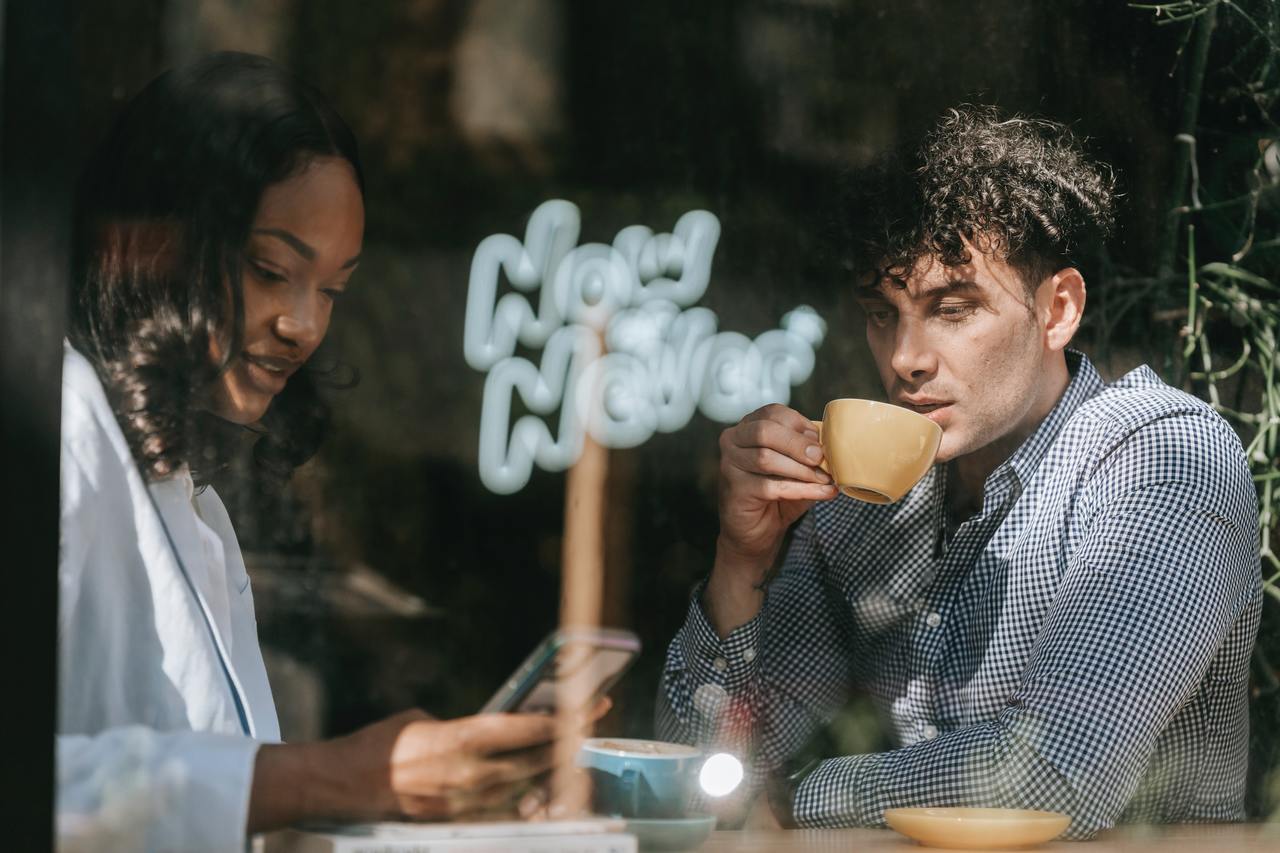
[{"x": 595, "y": 835}]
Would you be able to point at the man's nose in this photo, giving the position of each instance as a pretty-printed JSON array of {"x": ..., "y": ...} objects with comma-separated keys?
[{"x": 913, "y": 356}]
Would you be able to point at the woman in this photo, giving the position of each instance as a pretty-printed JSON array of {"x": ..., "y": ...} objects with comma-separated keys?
[{"x": 216, "y": 228}]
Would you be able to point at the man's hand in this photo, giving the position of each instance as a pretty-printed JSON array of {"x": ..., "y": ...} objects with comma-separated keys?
[{"x": 769, "y": 477}]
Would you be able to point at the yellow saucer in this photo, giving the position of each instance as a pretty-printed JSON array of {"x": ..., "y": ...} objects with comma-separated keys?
[{"x": 969, "y": 829}]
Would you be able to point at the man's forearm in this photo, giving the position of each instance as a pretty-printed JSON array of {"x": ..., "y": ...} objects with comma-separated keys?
[
  {"x": 734, "y": 593},
  {"x": 987, "y": 764}
]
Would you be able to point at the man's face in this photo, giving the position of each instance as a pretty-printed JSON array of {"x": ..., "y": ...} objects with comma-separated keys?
[{"x": 964, "y": 346}]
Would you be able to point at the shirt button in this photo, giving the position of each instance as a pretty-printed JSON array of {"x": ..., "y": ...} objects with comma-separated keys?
[
  {"x": 720, "y": 664},
  {"x": 933, "y": 620},
  {"x": 930, "y": 732},
  {"x": 748, "y": 654}
]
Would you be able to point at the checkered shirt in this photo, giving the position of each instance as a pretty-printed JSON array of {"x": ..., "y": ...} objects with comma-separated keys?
[{"x": 1081, "y": 645}]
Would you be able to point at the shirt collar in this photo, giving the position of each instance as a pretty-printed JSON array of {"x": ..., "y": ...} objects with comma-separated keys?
[
  {"x": 1085, "y": 383},
  {"x": 1005, "y": 483},
  {"x": 183, "y": 483}
]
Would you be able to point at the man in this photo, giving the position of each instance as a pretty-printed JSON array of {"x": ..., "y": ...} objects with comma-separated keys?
[{"x": 1060, "y": 615}]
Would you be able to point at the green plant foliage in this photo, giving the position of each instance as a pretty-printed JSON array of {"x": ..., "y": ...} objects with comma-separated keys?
[{"x": 1224, "y": 222}]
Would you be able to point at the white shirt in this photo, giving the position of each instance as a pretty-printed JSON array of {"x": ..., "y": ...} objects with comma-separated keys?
[{"x": 162, "y": 694}]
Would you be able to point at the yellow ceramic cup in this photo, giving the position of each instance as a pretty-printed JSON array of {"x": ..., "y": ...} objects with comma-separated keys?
[{"x": 876, "y": 451}]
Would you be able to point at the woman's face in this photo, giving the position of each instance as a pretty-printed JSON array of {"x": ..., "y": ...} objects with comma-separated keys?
[{"x": 303, "y": 246}]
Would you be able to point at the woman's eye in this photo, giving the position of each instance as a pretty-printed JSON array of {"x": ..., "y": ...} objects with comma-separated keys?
[{"x": 266, "y": 274}]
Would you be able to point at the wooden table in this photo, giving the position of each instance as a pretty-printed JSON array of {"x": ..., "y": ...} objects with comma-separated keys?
[{"x": 1184, "y": 838}]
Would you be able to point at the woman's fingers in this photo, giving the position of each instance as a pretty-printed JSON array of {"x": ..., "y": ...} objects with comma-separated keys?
[
  {"x": 495, "y": 801},
  {"x": 516, "y": 766},
  {"x": 603, "y": 706},
  {"x": 464, "y": 776},
  {"x": 533, "y": 802},
  {"x": 493, "y": 733}
]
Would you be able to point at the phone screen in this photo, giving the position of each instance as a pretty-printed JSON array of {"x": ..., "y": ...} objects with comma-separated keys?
[
  {"x": 576, "y": 663},
  {"x": 579, "y": 671}
]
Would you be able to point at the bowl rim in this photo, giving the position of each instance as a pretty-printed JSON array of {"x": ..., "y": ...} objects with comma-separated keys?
[{"x": 976, "y": 814}]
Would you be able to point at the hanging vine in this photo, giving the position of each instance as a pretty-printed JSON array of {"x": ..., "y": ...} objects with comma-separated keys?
[{"x": 1226, "y": 349}]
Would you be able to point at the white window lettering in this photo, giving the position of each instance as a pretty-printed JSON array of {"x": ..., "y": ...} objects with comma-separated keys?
[{"x": 625, "y": 351}]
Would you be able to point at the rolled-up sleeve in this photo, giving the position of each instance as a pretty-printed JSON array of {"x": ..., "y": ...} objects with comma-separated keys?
[{"x": 136, "y": 789}]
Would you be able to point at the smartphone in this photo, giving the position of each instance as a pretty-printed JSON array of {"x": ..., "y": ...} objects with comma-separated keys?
[{"x": 587, "y": 662}]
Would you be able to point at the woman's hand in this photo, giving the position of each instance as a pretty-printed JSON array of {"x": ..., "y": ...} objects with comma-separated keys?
[
  {"x": 415, "y": 767},
  {"x": 423, "y": 769},
  {"x": 408, "y": 766}
]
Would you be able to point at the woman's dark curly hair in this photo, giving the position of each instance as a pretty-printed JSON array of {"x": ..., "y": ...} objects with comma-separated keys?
[
  {"x": 1019, "y": 188},
  {"x": 163, "y": 213}
]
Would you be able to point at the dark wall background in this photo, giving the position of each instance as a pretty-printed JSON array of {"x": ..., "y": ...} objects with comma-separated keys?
[
  {"x": 37, "y": 118},
  {"x": 386, "y": 575}
]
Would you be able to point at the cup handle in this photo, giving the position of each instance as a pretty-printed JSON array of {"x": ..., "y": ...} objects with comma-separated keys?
[
  {"x": 631, "y": 789},
  {"x": 823, "y": 464}
]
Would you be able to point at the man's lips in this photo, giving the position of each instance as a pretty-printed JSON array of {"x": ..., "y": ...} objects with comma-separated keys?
[{"x": 923, "y": 405}]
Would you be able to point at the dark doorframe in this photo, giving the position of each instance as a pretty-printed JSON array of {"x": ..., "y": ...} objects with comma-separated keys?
[{"x": 38, "y": 108}]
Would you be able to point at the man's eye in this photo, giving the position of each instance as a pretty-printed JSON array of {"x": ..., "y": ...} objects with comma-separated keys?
[
  {"x": 877, "y": 312},
  {"x": 954, "y": 312}
]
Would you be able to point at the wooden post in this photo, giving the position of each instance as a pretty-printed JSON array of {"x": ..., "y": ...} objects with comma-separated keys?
[
  {"x": 615, "y": 609},
  {"x": 582, "y": 558},
  {"x": 581, "y": 602}
]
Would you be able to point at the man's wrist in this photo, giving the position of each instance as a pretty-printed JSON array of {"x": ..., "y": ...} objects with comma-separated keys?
[
  {"x": 742, "y": 570},
  {"x": 730, "y": 599},
  {"x": 750, "y": 568},
  {"x": 781, "y": 788}
]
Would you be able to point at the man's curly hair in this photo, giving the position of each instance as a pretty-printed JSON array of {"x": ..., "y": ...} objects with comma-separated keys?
[{"x": 1021, "y": 189}]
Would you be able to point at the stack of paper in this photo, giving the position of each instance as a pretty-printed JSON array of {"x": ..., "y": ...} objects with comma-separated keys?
[{"x": 598, "y": 835}]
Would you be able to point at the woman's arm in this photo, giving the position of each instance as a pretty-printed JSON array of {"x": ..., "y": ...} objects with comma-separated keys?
[{"x": 406, "y": 766}]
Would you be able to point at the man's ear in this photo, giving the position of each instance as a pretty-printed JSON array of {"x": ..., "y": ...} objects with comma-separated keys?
[{"x": 1060, "y": 306}]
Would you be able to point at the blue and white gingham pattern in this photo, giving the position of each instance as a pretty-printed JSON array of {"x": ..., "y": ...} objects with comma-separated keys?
[{"x": 1081, "y": 645}]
